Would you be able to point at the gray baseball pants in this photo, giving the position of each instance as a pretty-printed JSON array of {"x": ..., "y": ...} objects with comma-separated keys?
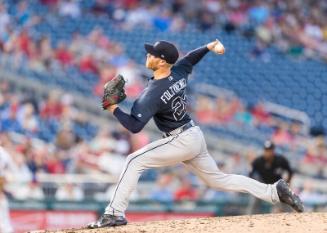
[{"x": 189, "y": 148}]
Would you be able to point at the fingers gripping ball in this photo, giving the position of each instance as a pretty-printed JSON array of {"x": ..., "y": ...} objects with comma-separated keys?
[
  {"x": 114, "y": 92},
  {"x": 219, "y": 48}
]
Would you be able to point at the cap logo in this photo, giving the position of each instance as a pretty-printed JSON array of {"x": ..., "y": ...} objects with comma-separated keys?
[
  {"x": 162, "y": 55},
  {"x": 156, "y": 44}
]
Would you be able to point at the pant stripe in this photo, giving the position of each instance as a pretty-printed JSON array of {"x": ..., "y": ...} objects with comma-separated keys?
[{"x": 132, "y": 160}]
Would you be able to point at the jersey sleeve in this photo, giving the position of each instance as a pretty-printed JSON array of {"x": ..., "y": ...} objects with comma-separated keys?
[
  {"x": 144, "y": 108},
  {"x": 191, "y": 59},
  {"x": 183, "y": 66}
]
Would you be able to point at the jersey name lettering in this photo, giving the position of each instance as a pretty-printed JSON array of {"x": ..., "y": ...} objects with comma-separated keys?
[{"x": 173, "y": 90}]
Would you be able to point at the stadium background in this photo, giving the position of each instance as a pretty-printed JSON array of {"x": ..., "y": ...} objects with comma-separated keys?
[{"x": 56, "y": 55}]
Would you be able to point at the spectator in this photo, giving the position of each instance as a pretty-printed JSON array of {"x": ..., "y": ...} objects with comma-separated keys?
[
  {"x": 311, "y": 197},
  {"x": 261, "y": 116},
  {"x": 281, "y": 135},
  {"x": 186, "y": 191},
  {"x": 205, "y": 112},
  {"x": 4, "y": 19},
  {"x": 162, "y": 191},
  {"x": 237, "y": 18},
  {"x": 102, "y": 7},
  {"x": 23, "y": 174},
  {"x": 54, "y": 165},
  {"x": 65, "y": 138},
  {"x": 138, "y": 16},
  {"x": 36, "y": 160},
  {"x": 9, "y": 121},
  {"x": 102, "y": 141},
  {"x": 163, "y": 21},
  {"x": 27, "y": 118},
  {"x": 69, "y": 192},
  {"x": 178, "y": 24},
  {"x": 88, "y": 64},
  {"x": 52, "y": 108},
  {"x": 206, "y": 20},
  {"x": 63, "y": 55},
  {"x": 226, "y": 109},
  {"x": 118, "y": 58},
  {"x": 123, "y": 141},
  {"x": 70, "y": 8},
  {"x": 46, "y": 51},
  {"x": 316, "y": 152},
  {"x": 50, "y": 3},
  {"x": 259, "y": 13},
  {"x": 111, "y": 163},
  {"x": 31, "y": 191},
  {"x": 134, "y": 85},
  {"x": 23, "y": 15},
  {"x": 106, "y": 73},
  {"x": 24, "y": 43},
  {"x": 243, "y": 116}
]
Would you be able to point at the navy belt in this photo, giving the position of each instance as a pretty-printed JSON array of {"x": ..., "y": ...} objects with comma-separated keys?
[{"x": 179, "y": 129}]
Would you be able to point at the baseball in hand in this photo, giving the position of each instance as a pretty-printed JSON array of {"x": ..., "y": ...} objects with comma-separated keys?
[{"x": 219, "y": 48}]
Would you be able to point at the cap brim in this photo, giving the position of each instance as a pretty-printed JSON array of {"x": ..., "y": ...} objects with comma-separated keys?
[{"x": 150, "y": 49}]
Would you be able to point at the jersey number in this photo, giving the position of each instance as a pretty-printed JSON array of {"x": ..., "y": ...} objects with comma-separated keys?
[{"x": 179, "y": 107}]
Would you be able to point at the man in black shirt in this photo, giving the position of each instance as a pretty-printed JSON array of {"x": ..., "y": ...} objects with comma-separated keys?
[{"x": 269, "y": 168}]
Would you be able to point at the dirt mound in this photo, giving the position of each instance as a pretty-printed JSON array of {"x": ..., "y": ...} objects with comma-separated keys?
[{"x": 269, "y": 223}]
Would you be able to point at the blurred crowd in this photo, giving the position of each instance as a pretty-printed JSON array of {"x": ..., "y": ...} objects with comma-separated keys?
[
  {"x": 50, "y": 135},
  {"x": 224, "y": 111},
  {"x": 230, "y": 110},
  {"x": 93, "y": 54},
  {"x": 26, "y": 119},
  {"x": 296, "y": 27}
]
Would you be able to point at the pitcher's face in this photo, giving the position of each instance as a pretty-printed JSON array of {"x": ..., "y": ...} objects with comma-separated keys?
[{"x": 152, "y": 62}]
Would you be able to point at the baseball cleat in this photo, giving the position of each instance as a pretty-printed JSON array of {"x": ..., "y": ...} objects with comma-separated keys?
[
  {"x": 287, "y": 196},
  {"x": 107, "y": 220}
]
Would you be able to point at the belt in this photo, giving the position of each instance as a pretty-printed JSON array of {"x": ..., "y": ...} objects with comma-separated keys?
[{"x": 179, "y": 129}]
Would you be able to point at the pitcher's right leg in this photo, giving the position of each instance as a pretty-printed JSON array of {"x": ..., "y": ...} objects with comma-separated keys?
[{"x": 164, "y": 152}]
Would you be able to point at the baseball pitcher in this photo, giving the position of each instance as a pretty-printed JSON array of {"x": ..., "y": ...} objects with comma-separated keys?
[{"x": 164, "y": 100}]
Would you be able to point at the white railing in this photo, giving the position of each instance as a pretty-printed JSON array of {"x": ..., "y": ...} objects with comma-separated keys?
[
  {"x": 289, "y": 113},
  {"x": 76, "y": 178}
]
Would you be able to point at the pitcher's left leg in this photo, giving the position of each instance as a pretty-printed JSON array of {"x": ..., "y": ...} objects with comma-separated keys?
[{"x": 205, "y": 167}]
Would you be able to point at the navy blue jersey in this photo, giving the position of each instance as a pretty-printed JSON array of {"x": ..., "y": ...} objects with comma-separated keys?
[{"x": 165, "y": 99}]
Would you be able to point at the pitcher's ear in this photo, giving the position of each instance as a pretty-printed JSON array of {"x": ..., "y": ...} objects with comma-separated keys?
[{"x": 163, "y": 62}]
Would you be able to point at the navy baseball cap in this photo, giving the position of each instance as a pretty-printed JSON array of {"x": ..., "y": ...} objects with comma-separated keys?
[{"x": 164, "y": 50}]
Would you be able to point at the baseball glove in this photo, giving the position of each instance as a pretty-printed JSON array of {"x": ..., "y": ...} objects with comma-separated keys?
[{"x": 114, "y": 92}]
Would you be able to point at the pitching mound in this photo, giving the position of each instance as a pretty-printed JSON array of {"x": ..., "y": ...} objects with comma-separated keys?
[{"x": 274, "y": 223}]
